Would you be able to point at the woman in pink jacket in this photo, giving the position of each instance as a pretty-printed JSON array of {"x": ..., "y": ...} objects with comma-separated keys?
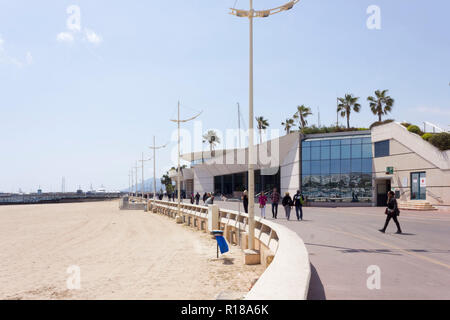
[{"x": 262, "y": 204}]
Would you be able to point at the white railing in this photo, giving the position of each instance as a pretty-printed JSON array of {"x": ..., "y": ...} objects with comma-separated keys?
[
  {"x": 435, "y": 128},
  {"x": 282, "y": 251}
]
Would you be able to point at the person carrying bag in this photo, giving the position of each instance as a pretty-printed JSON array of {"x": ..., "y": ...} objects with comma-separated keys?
[{"x": 392, "y": 212}]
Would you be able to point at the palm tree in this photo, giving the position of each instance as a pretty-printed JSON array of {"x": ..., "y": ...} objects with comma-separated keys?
[
  {"x": 288, "y": 124},
  {"x": 346, "y": 106},
  {"x": 301, "y": 114},
  {"x": 262, "y": 125},
  {"x": 381, "y": 104},
  {"x": 211, "y": 138}
]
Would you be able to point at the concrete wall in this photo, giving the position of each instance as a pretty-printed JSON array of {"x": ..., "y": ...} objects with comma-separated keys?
[
  {"x": 290, "y": 166},
  {"x": 283, "y": 152},
  {"x": 410, "y": 153}
]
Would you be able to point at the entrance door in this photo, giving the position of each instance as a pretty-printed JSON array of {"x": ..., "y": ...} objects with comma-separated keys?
[
  {"x": 382, "y": 189},
  {"x": 418, "y": 186}
]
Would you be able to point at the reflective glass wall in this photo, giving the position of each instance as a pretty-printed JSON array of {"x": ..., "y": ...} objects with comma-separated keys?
[
  {"x": 227, "y": 184},
  {"x": 337, "y": 169}
]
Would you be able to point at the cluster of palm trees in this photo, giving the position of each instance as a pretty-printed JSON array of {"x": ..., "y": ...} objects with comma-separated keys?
[{"x": 380, "y": 104}]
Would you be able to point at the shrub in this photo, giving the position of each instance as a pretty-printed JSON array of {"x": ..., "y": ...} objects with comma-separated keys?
[
  {"x": 427, "y": 136},
  {"x": 415, "y": 129},
  {"x": 441, "y": 141},
  {"x": 406, "y": 124},
  {"x": 379, "y": 123},
  {"x": 331, "y": 129}
]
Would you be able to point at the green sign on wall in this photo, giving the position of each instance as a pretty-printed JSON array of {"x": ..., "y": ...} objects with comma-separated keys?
[{"x": 389, "y": 170}]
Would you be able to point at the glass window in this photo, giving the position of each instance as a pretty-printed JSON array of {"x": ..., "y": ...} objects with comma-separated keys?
[
  {"x": 367, "y": 151},
  {"x": 356, "y": 151},
  {"x": 345, "y": 141},
  {"x": 325, "y": 142},
  {"x": 315, "y": 167},
  {"x": 315, "y": 182},
  {"x": 306, "y": 144},
  {"x": 315, "y": 153},
  {"x": 345, "y": 166},
  {"x": 356, "y": 140},
  {"x": 381, "y": 148},
  {"x": 366, "y": 180},
  {"x": 306, "y": 180},
  {"x": 345, "y": 152},
  {"x": 356, "y": 165},
  {"x": 335, "y": 152},
  {"x": 324, "y": 153},
  {"x": 306, "y": 153},
  {"x": 218, "y": 184},
  {"x": 335, "y": 166},
  {"x": 325, "y": 167},
  {"x": 355, "y": 180},
  {"x": 334, "y": 186},
  {"x": 326, "y": 181},
  {"x": 366, "y": 166},
  {"x": 315, "y": 143},
  {"x": 335, "y": 142},
  {"x": 367, "y": 140},
  {"x": 306, "y": 167}
]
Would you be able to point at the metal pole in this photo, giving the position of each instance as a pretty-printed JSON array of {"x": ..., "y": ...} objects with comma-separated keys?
[
  {"x": 132, "y": 181},
  {"x": 251, "y": 172},
  {"x": 142, "y": 185},
  {"x": 137, "y": 179},
  {"x": 154, "y": 170},
  {"x": 337, "y": 112},
  {"x": 239, "y": 124},
  {"x": 178, "y": 173}
]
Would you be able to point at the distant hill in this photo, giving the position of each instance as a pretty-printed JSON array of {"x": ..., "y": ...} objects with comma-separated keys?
[{"x": 148, "y": 186}]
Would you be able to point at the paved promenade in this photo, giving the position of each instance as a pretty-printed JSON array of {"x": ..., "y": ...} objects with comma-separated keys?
[{"x": 344, "y": 242}]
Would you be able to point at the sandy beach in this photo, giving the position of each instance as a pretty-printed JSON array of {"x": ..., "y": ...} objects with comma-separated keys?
[{"x": 120, "y": 255}]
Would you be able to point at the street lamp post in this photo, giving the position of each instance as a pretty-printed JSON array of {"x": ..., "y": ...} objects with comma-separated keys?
[
  {"x": 136, "y": 182},
  {"x": 142, "y": 185},
  {"x": 250, "y": 14},
  {"x": 178, "y": 121},
  {"x": 129, "y": 182},
  {"x": 154, "y": 148},
  {"x": 132, "y": 180}
]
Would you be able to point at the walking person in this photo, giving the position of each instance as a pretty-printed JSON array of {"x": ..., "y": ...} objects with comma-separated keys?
[
  {"x": 197, "y": 198},
  {"x": 205, "y": 197},
  {"x": 392, "y": 212},
  {"x": 210, "y": 200},
  {"x": 298, "y": 202},
  {"x": 287, "y": 203},
  {"x": 245, "y": 201},
  {"x": 192, "y": 198},
  {"x": 275, "y": 198},
  {"x": 262, "y": 204}
]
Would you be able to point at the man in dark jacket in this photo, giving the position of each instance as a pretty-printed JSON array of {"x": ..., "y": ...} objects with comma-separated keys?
[
  {"x": 392, "y": 212},
  {"x": 275, "y": 198},
  {"x": 298, "y": 202},
  {"x": 197, "y": 198}
]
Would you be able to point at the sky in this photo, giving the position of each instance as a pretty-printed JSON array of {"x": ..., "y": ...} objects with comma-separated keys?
[{"x": 83, "y": 98}]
